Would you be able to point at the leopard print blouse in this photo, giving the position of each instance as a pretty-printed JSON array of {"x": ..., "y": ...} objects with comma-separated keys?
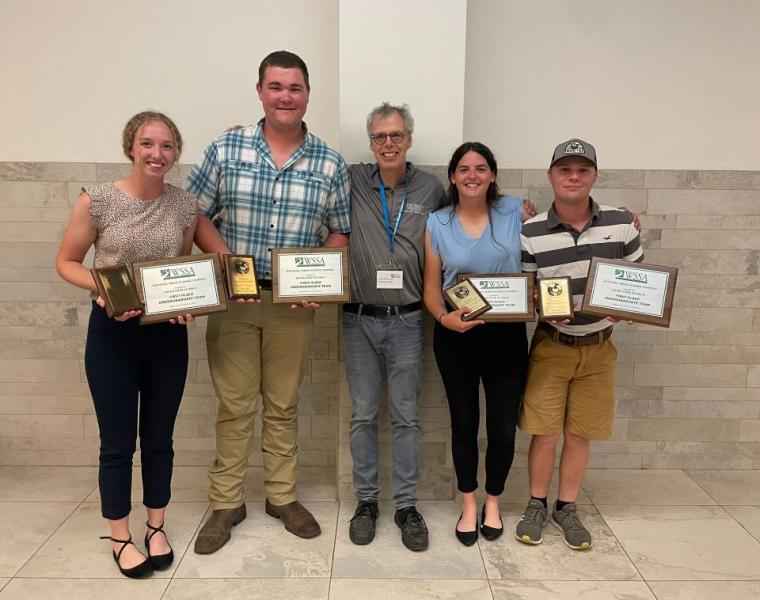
[{"x": 131, "y": 230}]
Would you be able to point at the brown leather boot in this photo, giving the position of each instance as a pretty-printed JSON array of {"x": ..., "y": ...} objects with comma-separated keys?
[
  {"x": 215, "y": 532},
  {"x": 296, "y": 518}
]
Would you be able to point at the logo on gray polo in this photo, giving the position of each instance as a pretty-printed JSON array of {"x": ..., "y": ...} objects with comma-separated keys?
[
  {"x": 417, "y": 209},
  {"x": 574, "y": 148},
  {"x": 310, "y": 261},
  {"x": 177, "y": 273},
  {"x": 626, "y": 275}
]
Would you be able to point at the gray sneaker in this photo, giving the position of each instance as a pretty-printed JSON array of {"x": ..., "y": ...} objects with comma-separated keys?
[
  {"x": 534, "y": 519},
  {"x": 576, "y": 535}
]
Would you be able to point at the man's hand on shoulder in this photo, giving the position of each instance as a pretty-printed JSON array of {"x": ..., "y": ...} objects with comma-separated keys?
[
  {"x": 529, "y": 210},
  {"x": 636, "y": 222}
]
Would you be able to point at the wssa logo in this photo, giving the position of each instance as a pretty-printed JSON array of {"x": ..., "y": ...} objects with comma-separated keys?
[
  {"x": 626, "y": 275},
  {"x": 310, "y": 261},
  {"x": 497, "y": 284},
  {"x": 177, "y": 273}
]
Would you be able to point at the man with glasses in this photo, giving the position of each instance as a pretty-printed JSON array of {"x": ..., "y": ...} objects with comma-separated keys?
[{"x": 382, "y": 326}]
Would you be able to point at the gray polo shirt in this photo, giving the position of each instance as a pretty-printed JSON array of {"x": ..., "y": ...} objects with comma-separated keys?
[{"x": 368, "y": 244}]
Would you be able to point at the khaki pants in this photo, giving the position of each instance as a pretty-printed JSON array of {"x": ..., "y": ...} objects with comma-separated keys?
[
  {"x": 569, "y": 388},
  {"x": 256, "y": 348}
]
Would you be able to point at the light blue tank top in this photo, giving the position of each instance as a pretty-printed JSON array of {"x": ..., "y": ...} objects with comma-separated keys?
[{"x": 497, "y": 250}]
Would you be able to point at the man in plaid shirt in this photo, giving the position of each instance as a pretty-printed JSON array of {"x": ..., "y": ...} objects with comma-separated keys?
[{"x": 271, "y": 185}]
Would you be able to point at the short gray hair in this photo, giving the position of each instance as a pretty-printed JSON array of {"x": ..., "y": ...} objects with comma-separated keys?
[{"x": 385, "y": 110}]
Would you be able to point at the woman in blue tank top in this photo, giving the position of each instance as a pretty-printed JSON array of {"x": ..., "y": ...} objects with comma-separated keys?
[{"x": 478, "y": 233}]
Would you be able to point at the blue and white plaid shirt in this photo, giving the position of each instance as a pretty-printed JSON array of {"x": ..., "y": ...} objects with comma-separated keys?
[{"x": 257, "y": 207}]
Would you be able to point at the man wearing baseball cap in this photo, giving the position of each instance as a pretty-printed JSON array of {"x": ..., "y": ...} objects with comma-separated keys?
[{"x": 569, "y": 391}]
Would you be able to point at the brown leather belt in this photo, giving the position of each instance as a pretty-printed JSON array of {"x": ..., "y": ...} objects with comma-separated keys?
[{"x": 590, "y": 339}]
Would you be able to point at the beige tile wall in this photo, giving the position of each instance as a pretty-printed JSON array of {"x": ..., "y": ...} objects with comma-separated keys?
[{"x": 688, "y": 397}]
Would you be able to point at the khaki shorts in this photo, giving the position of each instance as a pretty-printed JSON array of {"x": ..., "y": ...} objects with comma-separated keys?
[{"x": 569, "y": 388}]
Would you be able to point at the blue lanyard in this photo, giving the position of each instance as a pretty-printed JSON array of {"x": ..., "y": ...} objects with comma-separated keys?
[{"x": 391, "y": 233}]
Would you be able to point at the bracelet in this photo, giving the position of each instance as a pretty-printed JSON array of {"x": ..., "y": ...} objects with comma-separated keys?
[{"x": 443, "y": 314}]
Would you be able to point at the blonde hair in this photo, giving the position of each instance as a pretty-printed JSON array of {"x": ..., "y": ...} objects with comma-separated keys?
[{"x": 138, "y": 121}]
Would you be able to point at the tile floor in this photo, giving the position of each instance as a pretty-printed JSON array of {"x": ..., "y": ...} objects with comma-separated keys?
[{"x": 658, "y": 535}]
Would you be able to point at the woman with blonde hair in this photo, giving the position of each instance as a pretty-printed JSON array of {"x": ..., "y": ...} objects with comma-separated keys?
[{"x": 137, "y": 218}]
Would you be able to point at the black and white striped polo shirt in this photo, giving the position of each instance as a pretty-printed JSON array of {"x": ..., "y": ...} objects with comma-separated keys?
[{"x": 551, "y": 248}]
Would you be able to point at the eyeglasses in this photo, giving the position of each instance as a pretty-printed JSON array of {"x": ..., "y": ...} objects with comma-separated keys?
[{"x": 379, "y": 138}]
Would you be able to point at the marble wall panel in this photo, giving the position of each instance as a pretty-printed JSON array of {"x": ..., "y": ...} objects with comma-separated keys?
[
  {"x": 713, "y": 222},
  {"x": 687, "y": 396},
  {"x": 31, "y": 426},
  {"x": 747, "y": 409},
  {"x": 508, "y": 178},
  {"x": 712, "y": 319},
  {"x": 699, "y": 261},
  {"x": 21, "y": 348},
  {"x": 635, "y": 200},
  {"x": 26, "y": 254},
  {"x": 704, "y": 354},
  {"x": 29, "y": 274},
  {"x": 30, "y": 195},
  {"x": 750, "y": 430},
  {"x": 712, "y": 295},
  {"x": 697, "y": 375},
  {"x": 689, "y": 461},
  {"x": 27, "y": 216},
  {"x": 711, "y": 239},
  {"x": 718, "y": 180},
  {"x": 753, "y": 376},
  {"x": 747, "y": 394},
  {"x": 43, "y": 172},
  {"x": 52, "y": 370},
  {"x": 46, "y": 405},
  {"x": 703, "y": 202},
  {"x": 697, "y": 430},
  {"x": 740, "y": 448}
]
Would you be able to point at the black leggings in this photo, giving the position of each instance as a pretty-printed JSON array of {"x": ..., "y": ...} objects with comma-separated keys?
[
  {"x": 122, "y": 361},
  {"x": 497, "y": 354}
]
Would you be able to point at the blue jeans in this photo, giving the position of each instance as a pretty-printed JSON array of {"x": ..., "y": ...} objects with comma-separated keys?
[{"x": 394, "y": 343}]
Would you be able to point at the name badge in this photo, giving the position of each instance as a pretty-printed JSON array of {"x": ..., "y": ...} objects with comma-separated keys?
[{"x": 390, "y": 279}]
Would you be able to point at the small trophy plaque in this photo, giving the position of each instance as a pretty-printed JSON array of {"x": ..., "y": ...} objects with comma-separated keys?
[
  {"x": 117, "y": 289},
  {"x": 465, "y": 295},
  {"x": 240, "y": 277},
  {"x": 555, "y": 299}
]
